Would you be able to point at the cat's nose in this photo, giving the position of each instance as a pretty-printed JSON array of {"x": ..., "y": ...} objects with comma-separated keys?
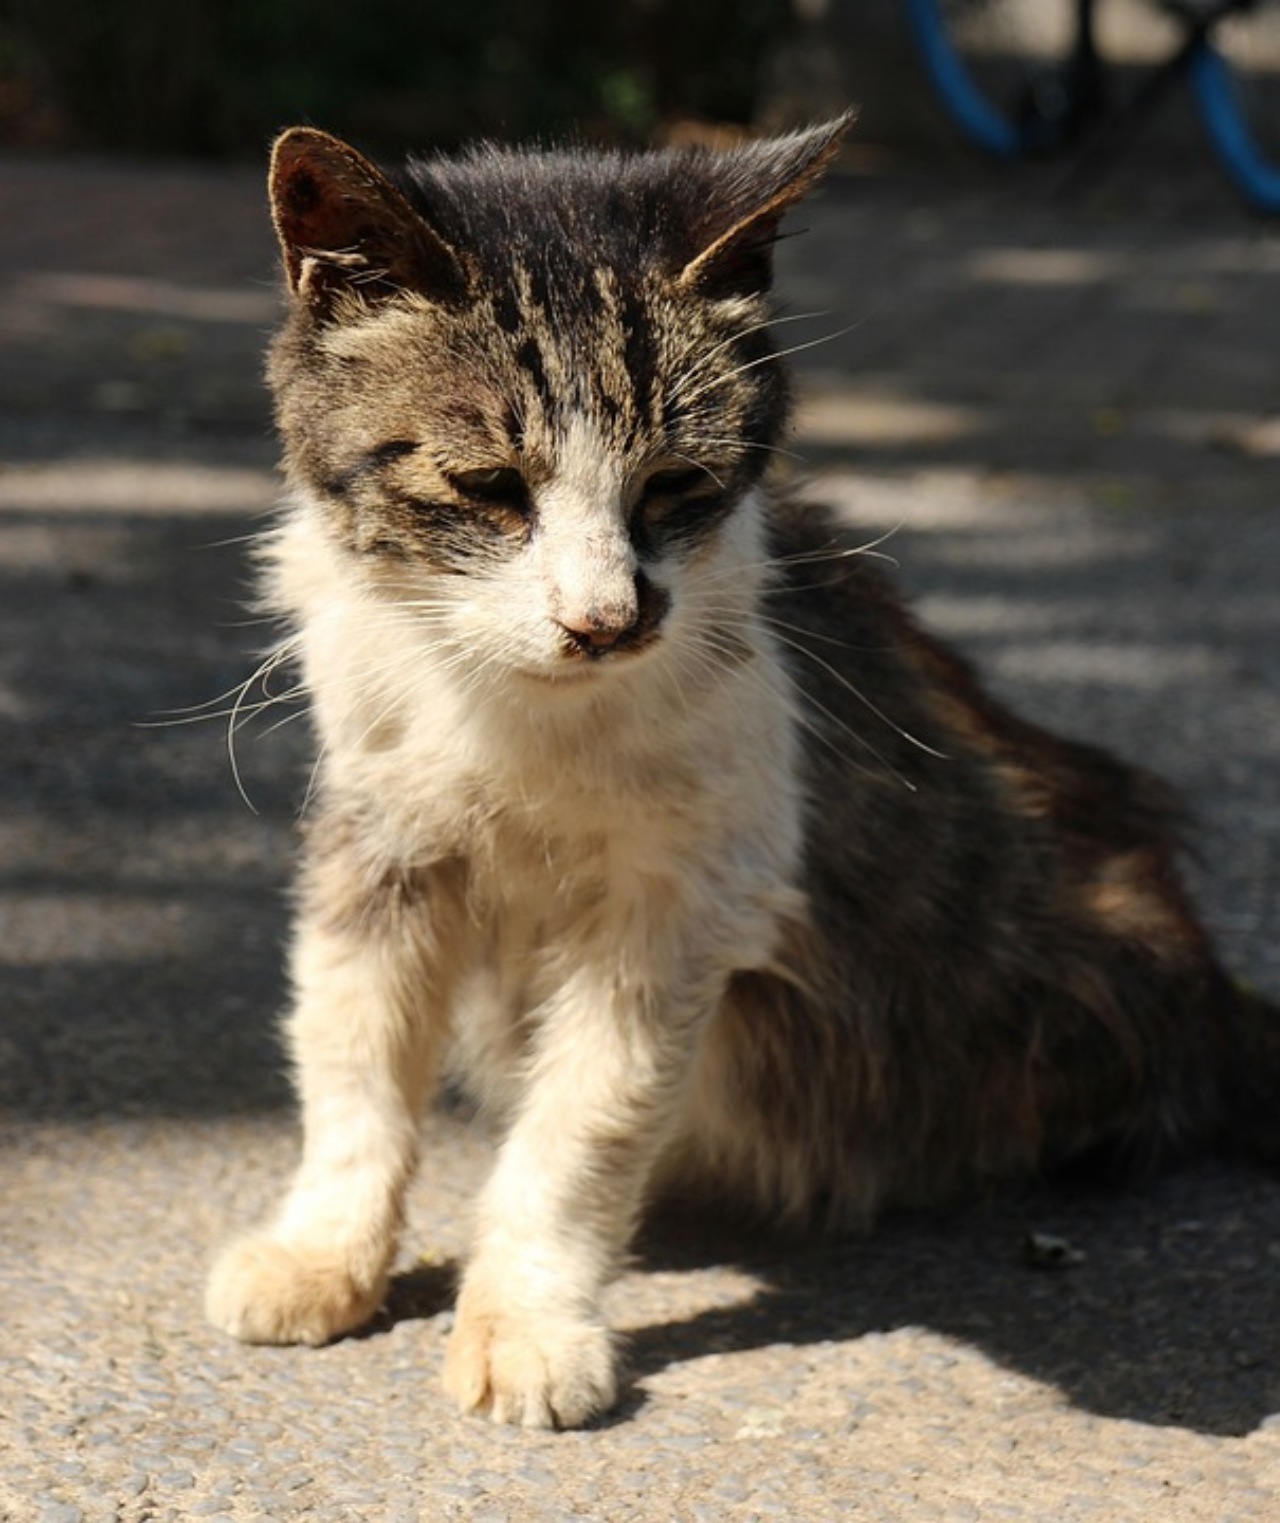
[
  {"x": 598, "y": 630},
  {"x": 625, "y": 621}
]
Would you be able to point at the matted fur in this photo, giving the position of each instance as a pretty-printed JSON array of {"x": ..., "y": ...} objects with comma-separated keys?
[{"x": 643, "y": 806}]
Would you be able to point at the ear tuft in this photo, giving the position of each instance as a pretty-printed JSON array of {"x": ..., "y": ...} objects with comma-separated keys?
[
  {"x": 754, "y": 188},
  {"x": 344, "y": 227}
]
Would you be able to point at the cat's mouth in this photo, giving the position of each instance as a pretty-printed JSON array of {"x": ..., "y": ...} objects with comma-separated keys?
[
  {"x": 577, "y": 668},
  {"x": 578, "y": 650},
  {"x": 579, "y": 664}
]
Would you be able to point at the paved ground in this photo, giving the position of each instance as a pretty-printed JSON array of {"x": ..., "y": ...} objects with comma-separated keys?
[{"x": 1067, "y": 415}]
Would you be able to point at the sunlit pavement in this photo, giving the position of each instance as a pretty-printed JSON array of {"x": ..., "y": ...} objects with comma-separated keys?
[{"x": 1062, "y": 420}]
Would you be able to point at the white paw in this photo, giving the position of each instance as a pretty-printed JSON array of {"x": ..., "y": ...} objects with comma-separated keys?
[
  {"x": 534, "y": 1371},
  {"x": 263, "y": 1290}
]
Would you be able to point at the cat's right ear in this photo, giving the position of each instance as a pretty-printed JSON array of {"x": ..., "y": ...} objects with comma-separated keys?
[
  {"x": 737, "y": 217},
  {"x": 346, "y": 231}
]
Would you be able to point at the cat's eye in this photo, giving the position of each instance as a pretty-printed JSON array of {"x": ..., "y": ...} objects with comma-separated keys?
[
  {"x": 679, "y": 505},
  {"x": 678, "y": 482},
  {"x": 498, "y": 484}
]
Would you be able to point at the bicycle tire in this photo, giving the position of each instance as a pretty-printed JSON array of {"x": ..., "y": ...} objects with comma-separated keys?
[
  {"x": 1247, "y": 162},
  {"x": 1003, "y": 124}
]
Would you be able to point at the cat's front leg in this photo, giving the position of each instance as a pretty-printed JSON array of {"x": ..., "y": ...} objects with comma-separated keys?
[
  {"x": 529, "y": 1345},
  {"x": 371, "y": 971}
]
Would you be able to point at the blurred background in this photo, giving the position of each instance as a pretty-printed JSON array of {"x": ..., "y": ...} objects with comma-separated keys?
[{"x": 216, "y": 79}]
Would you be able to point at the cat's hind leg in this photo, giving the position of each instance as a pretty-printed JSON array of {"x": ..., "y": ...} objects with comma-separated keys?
[{"x": 366, "y": 1032}]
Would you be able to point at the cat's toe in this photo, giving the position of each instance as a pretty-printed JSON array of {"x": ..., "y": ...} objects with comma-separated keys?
[
  {"x": 535, "y": 1372},
  {"x": 262, "y": 1290}
]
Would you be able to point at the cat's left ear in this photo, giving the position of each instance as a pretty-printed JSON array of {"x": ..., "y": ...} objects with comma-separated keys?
[
  {"x": 755, "y": 186},
  {"x": 345, "y": 229}
]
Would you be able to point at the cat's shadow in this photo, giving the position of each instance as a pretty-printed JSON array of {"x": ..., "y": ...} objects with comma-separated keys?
[{"x": 1170, "y": 1316}]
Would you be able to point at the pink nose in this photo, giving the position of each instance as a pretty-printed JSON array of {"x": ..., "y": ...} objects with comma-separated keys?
[{"x": 595, "y": 630}]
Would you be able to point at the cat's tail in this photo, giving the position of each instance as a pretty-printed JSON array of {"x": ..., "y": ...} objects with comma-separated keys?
[{"x": 1251, "y": 1122}]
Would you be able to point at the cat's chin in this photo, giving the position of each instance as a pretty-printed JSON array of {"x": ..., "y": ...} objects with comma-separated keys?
[
  {"x": 579, "y": 673},
  {"x": 574, "y": 676}
]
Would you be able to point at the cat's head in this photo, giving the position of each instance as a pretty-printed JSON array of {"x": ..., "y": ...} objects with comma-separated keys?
[{"x": 531, "y": 393}]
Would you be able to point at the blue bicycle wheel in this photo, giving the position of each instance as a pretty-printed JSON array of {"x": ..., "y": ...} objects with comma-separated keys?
[
  {"x": 1238, "y": 96},
  {"x": 1000, "y": 68}
]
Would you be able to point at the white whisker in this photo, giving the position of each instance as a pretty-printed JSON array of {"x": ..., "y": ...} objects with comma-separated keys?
[
  {"x": 704, "y": 360},
  {"x": 768, "y": 359},
  {"x": 854, "y": 691}
]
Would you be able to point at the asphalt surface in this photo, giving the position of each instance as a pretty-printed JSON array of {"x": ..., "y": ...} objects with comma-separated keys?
[{"x": 1065, "y": 417}]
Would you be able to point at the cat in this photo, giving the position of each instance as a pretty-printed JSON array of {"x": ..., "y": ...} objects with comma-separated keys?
[{"x": 644, "y": 807}]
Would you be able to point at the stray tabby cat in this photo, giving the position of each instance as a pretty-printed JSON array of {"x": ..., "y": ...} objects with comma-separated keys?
[{"x": 644, "y": 808}]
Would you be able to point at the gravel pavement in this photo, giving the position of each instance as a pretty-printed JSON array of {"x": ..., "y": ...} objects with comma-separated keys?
[{"x": 1065, "y": 418}]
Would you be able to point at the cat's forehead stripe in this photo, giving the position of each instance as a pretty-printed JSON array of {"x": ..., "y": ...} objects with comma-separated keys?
[
  {"x": 594, "y": 353},
  {"x": 531, "y": 362}
]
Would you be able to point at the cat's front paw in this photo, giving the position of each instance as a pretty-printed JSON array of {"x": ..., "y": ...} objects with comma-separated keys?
[
  {"x": 263, "y": 1290},
  {"x": 531, "y": 1370}
]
